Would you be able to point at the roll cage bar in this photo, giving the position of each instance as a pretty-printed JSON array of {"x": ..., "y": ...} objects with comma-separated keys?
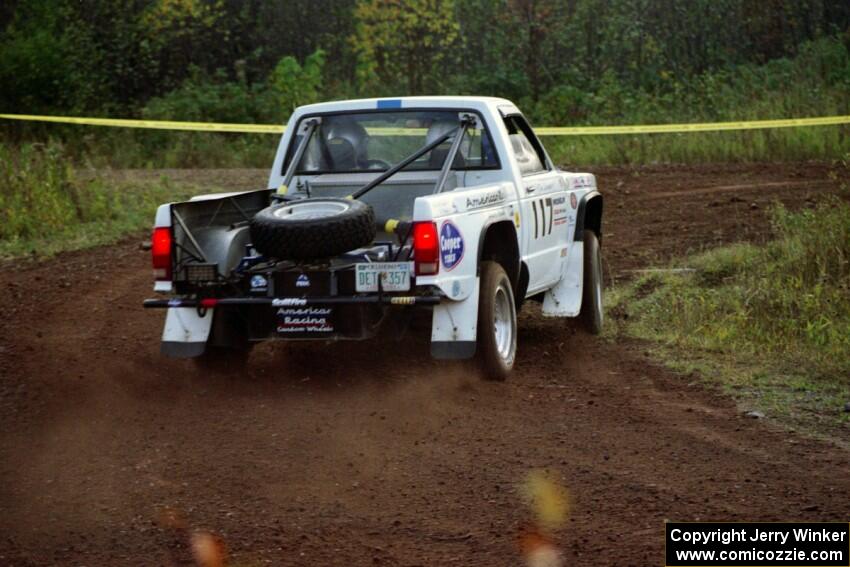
[{"x": 464, "y": 124}]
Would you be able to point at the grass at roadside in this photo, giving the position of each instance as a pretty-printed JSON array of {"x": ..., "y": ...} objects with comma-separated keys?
[
  {"x": 770, "y": 323},
  {"x": 46, "y": 206},
  {"x": 789, "y": 144},
  {"x": 120, "y": 149}
]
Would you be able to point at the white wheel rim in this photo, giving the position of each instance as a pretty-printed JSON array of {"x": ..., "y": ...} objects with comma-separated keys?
[
  {"x": 504, "y": 324},
  {"x": 307, "y": 211}
]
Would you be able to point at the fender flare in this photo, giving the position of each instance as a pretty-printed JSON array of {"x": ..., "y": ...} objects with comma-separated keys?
[
  {"x": 589, "y": 215},
  {"x": 513, "y": 271}
]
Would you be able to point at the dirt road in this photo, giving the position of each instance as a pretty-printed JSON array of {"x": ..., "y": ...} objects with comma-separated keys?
[{"x": 372, "y": 454}]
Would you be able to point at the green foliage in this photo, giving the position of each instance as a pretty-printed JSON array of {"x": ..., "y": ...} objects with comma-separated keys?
[
  {"x": 295, "y": 85},
  {"x": 41, "y": 194},
  {"x": 788, "y": 300},
  {"x": 565, "y": 62},
  {"x": 43, "y": 63},
  {"x": 770, "y": 323},
  {"x": 215, "y": 99},
  {"x": 404, "y": 46},
  {"x": 111, "y": 55},
  {"x": 46, "y": 206},
  {"x": 179, "y": 34}
]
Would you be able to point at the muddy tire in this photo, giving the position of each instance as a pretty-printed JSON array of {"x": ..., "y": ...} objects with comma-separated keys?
[
  {"x": 310, "y": 229},
  {"x": 592, "y": 313},
  {"x": 496, "y": 323}
]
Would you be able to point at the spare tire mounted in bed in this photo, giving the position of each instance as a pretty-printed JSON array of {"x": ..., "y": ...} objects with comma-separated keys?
[{"x": 313, "y": 228}]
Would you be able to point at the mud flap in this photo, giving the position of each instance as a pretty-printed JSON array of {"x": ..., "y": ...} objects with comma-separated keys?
[
  {"x": 454, "y": 327},
  {"x": 564, "y": 300},
  {"x": 185, "y": 333}
]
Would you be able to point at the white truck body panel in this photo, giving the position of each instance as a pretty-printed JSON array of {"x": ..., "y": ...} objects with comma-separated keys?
[{"x": 184, "y": 325}]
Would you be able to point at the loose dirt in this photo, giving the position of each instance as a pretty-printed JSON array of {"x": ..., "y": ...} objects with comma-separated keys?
[{"x": 371, "y": 453}]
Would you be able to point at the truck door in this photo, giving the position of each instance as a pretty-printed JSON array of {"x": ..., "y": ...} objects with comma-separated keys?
[{"x": 543, "y": 192}]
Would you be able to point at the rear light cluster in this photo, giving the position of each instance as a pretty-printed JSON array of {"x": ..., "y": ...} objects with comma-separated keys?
[
  {"x": 426, "y": 248},
  {"x": 161, "y": 246}
]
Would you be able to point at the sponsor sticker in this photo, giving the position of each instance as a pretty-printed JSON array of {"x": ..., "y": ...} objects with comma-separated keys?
[
  {"x": 573, "y": 201},
  {"x": 288, "y": 301},
  {"x": 302, "y": 281},
  {"x": 582, "y": 182},
  {"x": 451, "y": 245},
  {"x": 485, "y": 200},
  {"x": 304, "y": 320},
  {"x": 259, "y": 283}
]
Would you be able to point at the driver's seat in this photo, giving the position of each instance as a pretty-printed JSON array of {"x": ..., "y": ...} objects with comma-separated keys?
[
  {"x": 346, "y": 142},
  {"x": 438, "y": 155}
]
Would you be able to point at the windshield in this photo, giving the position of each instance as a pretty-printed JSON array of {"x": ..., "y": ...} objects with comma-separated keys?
[{"x": 375, "y": 141}]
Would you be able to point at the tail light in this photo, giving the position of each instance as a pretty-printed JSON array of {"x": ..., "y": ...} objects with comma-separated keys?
[
  {"x": 426, "y": 248},
  {"x": 161, "y": 245}
]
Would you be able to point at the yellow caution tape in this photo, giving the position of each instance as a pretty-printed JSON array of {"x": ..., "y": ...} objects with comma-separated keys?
[
  {"x": 694, "y": 127},
  {"x": 542, "y": 131},
  {"x": 152, "y": 124}
]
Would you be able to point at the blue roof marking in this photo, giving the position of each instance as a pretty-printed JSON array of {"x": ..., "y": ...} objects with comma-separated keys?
[{"x": 389, "y": 103}]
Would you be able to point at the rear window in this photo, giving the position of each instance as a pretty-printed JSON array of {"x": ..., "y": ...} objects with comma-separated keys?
[{"x": 375, "y": 141}]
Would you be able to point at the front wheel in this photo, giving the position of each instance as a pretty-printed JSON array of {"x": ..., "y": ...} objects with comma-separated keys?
[
  {"x": 591, "y": 302},
  {"x": 496, "y": 322}
]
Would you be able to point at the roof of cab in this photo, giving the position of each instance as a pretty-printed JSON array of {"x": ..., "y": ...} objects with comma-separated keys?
[{"x": 471, "y": 102}]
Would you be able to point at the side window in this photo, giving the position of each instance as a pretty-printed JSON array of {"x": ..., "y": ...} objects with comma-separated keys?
[{"x": 527, "y": 149}]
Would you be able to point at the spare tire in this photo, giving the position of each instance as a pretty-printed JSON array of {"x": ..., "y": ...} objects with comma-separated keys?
[{"x": 312, "y": 228}]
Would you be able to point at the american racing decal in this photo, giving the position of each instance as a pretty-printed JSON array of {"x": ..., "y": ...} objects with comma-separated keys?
[
  {"x": 451, "y": 245},
  {"x": 485, "y": 200},
  {"x": 304, "y": 320}
]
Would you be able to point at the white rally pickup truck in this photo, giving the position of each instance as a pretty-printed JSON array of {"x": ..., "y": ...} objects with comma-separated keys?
[{"x": 376, "y": 209}]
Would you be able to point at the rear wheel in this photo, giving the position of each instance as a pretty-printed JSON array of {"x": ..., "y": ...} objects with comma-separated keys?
[
  {"x": 496, "y": 322},
  {"x": 592, "y": 312}
]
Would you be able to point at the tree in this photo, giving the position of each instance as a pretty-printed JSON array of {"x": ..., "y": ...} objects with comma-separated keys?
[
  {"x": 533, "y": 18},
  {"x": 295, "y": 84},
  {"x": 404, "y": 45}
]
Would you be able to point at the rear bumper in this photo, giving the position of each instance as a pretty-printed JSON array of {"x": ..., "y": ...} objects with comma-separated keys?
[
  {"x": 235, "y": 320},
  {"x": 211, "y": 303}
]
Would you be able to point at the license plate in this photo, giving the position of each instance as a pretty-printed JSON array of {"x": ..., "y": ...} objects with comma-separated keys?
[{"x": 395, "y": 276}]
